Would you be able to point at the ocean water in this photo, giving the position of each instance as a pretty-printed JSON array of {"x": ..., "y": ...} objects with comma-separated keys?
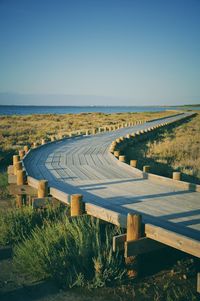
[{"x": 24, "y": 110}]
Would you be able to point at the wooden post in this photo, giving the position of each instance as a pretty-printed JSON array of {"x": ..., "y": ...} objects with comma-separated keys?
[
  {"x": 133, "y": 163},
  {"x": 94, "y": 131},
  {"x": 26, "y": 148},
  {"x": 52, "y": 138},
  {"x": 117, "y": 154},
  {"x": 16, "y": 158},
  {"x": 146, "y": 168},
  {"x": 198, "y": 283},
  {"x": 134, "y": 226},
  {"x": 21, "y": 153},
  {"x": 122, "y": 158},
  {"x": 34, "y": 144},
  {"x": 176, "y": 176},
  {"x": 114, "y": 143},
  {"x": 112, "y": 149},
  {"x": 134, "y": 222},
  {"x": 17, "y": 166},
  {"x": 21, "y": 177},
  {"x": 76, "y": 203},
  {"x": 43, "y": 141},
  {"x": 42, "y": 188},
  {"x": 20, "y": 200}
]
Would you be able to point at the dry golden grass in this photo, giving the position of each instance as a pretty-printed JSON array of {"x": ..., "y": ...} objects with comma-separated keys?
[
  {"x": 16, "y": 131},
  {"x": 180, "y": 149},
  {"x": 175, "y": 149}
]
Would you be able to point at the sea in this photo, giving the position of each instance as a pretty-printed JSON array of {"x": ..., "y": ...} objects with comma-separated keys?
[{"x": 29, "y": 110}]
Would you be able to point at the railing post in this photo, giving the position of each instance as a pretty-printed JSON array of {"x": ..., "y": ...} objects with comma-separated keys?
[
  {"x": 134, "y": 229},
  {"x": 17, "y": 166},
  {"x": 21, "y": 153},
  {"x": 117, "y": 154},
  {"x": 122, "y": 158},
  {"x": 26, "y": 148},
  {"x": 34, "y": 144},
  {"x": 42, "y": 188},
  {"x": 77, "y": 207},
  {"x": 134, "y": 222},
  {"x": 146, "y": 168},
  {"x": 21, "y": 177},
  {"x": 16, "y": 158},
  {"x": 133, "y": 163},
  {"x": 176, "y": 176}
]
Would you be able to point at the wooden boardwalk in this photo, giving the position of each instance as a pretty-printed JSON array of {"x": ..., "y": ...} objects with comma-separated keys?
[{"x": 84, "y": 165}]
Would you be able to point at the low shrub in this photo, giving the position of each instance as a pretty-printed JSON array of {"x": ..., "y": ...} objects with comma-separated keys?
[
  {"x": 3, "y": 186},
  {"x": 74, "y": 252},
  {"x": 17, "y": 224}
]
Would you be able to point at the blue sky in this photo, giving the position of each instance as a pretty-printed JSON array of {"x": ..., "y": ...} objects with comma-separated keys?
[{"x": 132, "y": 52}]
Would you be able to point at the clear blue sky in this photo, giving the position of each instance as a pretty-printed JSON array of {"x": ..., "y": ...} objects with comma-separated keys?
[{"x": 140, "y": 51}]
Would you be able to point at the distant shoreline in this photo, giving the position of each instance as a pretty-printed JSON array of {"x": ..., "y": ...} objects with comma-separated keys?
[
  {"x": 9, "y": 110},
  {"x": 102, "y": 106}
]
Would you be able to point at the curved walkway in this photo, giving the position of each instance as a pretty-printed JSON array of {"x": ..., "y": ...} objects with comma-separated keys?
[{"x": 84, "y": 165}]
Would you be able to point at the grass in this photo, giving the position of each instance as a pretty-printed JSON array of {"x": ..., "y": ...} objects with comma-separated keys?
[
  {"x": 4, "y": 194},
  {"x": 78, "y": 253},
  {"x": 73, "y": 252},
  {"x": 174, "y": 149},
  {"x": 17, "y": 224},
  {"x": 17, "y": 131}
]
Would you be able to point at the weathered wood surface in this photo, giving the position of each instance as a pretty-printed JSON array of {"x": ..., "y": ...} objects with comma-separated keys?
[{"x": 84, "y": 165}]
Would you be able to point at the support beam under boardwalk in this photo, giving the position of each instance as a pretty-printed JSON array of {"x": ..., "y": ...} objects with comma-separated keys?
[
  {"x": 135, "y": 247},
  {"x": 21, "y": 189},
  {"x": 141, "y": 246}
]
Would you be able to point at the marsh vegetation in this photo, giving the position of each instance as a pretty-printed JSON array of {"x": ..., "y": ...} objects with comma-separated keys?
[{"x": 171, "y": 149}]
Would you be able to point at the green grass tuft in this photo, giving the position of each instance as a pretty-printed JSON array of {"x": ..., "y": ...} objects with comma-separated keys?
[
  {"x": 74, "y": 252},
  {"x": 17, "y": 224}
]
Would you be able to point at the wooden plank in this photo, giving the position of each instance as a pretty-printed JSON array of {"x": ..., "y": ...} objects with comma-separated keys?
[
  {"x": 21, "y": 189},
  {"x": 171, "y": 182},
  {"x": 106, "y": 215},
  {"x": 32, "y": 182},
  {"x": 173, "y": 239},
  {"x": 10, "y": 170},
  {"x": 141, "y": 246},
  {"x": 60, "y": 195},
  {"x": 12, "y": 179}
]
